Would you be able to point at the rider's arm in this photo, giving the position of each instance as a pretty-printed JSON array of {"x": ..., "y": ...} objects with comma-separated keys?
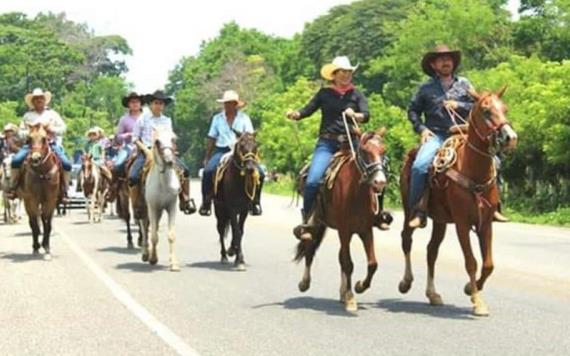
[
  {"x": 213, "y": 134},
  {"x": 57, "y": 125},
  {"x": 210, "y": 144},
  {"x": 362, "y": 114},
  {"x": 122, "y": 133},
  {"x": 137, "y": 130},
  {"x": 311, "y": 107},
  {"x": 415, "y": 110},
  {"x": 465, "y": 102}
]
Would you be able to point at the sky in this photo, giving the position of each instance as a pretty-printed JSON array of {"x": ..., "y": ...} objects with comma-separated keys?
[{"x": 162, "y": 32}]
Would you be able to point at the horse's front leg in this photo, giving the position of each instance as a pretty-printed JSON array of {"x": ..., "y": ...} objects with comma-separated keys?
[
  {"x": 236, "y": 237},
  {"x": 479, "y": 306},
  {"x": 34, "y": 225},
  {"x": 437, "y": 235},
  {"x": 222, "y": 226},
  {"x": 485, "y": 236},
  {"x": 406, "y": 282},
  {"x": 240, "y": 258},
  {"x": 346, "y": 269},
  {"x": 143, "y": 237},
  {"x": 174, "y": 264},
  {"x": 368, "y": 242},
  {"x": 153, "y": 218},
  {"x": 46, "y": 220}
]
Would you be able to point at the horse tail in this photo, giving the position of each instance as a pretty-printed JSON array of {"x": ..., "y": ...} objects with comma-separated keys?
[{"x": 309, "y": 248}]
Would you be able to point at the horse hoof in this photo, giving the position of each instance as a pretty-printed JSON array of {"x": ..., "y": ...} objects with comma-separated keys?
[
  {"x": 153, "y": 260},
  {"x": 36, "y": 252},
  {"x": 175, "y": 267},
  {"x": 435, "y": 299},
  {"x": 145, "y": 257},
  {"x": 304, "y": 285},
  {"x": 231, "y": 252},
  {"x": 351, "y": 306},
  {"x": 404, "y": 286},
  {"x": 240, "y": 267},
  {"x": 467, "y": 289},
  {"x": 47, "y": 257},
  {"x": 224, "y": 260},
  {"x": 480, "y": 310},
  {"x": 130, "y": 245},
  {"x": 359, "y": 287}
]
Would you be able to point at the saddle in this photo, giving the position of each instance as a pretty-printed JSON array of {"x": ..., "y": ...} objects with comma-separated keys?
[
  {"x": 221, "y": 169},
  {"x": 337, "y": 162}
]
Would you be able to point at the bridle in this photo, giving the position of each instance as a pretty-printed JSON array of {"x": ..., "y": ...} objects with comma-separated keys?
[
  {"x": 36, "y": 168},
  {"x": 240, "y": 160},
  {"x": 160, "y": 148}
]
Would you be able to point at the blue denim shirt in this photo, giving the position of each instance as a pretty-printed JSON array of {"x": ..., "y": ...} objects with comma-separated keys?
[
  {"x": 223, "y": 134},
  {"x": 429, "y": 102}
]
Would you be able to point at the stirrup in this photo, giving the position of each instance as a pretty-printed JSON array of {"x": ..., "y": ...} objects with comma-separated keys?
[
  {"x": 205, "y": 209},
  {"x": 302, "y": 232},
  {"x": 188, "y": 207},
  {"x": 255, "y": 209},
  {"x": 383, "y": 220},
  {"x": 418, "y": 221}
]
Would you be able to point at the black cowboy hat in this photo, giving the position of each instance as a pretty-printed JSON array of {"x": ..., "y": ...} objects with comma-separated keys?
[
  {"x": 441, "y": 50},
  {"x": 132, "y": 95},
  {"x": 157, "y": 95}
]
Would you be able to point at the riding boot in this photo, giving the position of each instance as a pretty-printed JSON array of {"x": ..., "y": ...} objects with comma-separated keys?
[
  {"x": 206, "y": 207},
  {"x": 498, "y": 215},
  {"x": 186, "y": 204},
  {"x": 255, "y": 209},
  {"x": 383, "y": 218},
  {"x": 420, "y": 212},
  {"x": 303, "y": 232},
  {"x": 13, "y": 189}
]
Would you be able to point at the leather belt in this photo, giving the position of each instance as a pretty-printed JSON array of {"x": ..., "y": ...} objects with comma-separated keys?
[{"x": 335, "y": 137}]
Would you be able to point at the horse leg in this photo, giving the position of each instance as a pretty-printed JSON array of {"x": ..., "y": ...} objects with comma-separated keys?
[
  {"x": 406, "y": 282},
  {"x": 174, "y": 264},
  {"x": 486, "y": 244},
  {"x": 240, "y": 257},
  {"x": 437, "y": 235},
  {"x": 153, "y": 218},
  {"x": 347, "y": 267},
  {"x": 143, "y": 238},
  {"x": 46, "y": 220},
  {"x": 368, "y": 242},
  {"x": 310, "y": 250},
  {"x": 479, "y": 307},
  {"x": 33, "y": 221},
  {"x": 236, "y": 235},
  {"x": 123, "y": 209}
]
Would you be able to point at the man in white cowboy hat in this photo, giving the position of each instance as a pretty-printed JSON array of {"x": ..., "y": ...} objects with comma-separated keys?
[
  {"x": 221, "y": 139},
  {"x": 40, "y": 114},
  {"x": 142, "y": 135}
]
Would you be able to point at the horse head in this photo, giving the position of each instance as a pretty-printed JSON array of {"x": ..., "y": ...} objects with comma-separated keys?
[
  {"x": 370, "y": 159},
  {"x": 489, "y": 122},
  {"x": 246, "y": 153},
  {"x": 39, "y": 147},
  {"x": 163, "y": 147},
  {"x": 87, "y": 165}
]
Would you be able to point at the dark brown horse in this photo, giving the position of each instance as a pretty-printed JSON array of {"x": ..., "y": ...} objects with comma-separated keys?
[
  {"x": 234, "y": 194},
  {"x": 466, "y": 195},
  {"x": 41, "y": 187},
  {"x": 350, "y": 207},
  {"x": 119, "y": 193}
]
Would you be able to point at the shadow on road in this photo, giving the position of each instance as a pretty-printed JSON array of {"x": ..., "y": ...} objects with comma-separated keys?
[
  {"x": 447, "y": 311},
  {"x": 22, "y": 257},
  {"x": 213, "y": 265},
  {"x": 141, "y": 267},
  {"x": 121, "y": 250},
  {"x": 20, "y": 234},
  {"x": 81, "y": 223},
  {"x": 329, "y": 306}
]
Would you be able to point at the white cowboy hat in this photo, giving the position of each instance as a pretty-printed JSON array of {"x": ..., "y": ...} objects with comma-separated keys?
[
  {"x": 99, "y": 130},
  {"x": 34, "y": 94},
  {"x": 231, "y": 95},
  {"x": 91, "y": 131},
  {"x": 341, "y": 62},
  {"x": 10, "y": 127}
]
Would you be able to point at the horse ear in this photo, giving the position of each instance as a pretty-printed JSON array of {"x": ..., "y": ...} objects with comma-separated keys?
[
  {"x": 382, "y": 131},
  {"x": 502, "y": 91},
  {"x": 474, "y": 94}
]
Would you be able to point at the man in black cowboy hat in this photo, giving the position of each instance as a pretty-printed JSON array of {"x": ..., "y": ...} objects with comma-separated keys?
[
  {"x": 442, "y": 92},
  {"x": 142, "y": 132}
]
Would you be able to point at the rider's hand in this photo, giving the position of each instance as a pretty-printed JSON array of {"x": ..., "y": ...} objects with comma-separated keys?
[
  {"x": 426, "y": 135},
  {"x": 293, "y": 115},
  {"x": 350, "y": 112},
  {"x": 450, "y": 104}
]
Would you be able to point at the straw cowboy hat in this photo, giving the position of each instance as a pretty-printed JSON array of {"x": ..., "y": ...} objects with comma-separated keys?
[
  {"x": 36, "y": 93},
  {"x": 132, "y": 95},
  {"x": 327, "y": 71},
  {"x": 92, "y": 131},
  {"x": 441, "y": 50},
  {"x": 229, "y": 96},
  {"x": 157, "y": 95},
  {"x": 10, "y": 127}
]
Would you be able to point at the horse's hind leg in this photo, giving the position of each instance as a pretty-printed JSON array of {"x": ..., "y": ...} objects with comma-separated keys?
[
  {"x": 236, "y": 238},
  {"x": 437, "y": 235},
  {"x": 46, "y": 220},
  {"x": 154, "y": 218},
  {"x": 310, "y": 250},
  {"x": 347, "y": 267},
  {"x": 174, "y": 264},
  {"x": 222, "y": 225},
  {"x": 368, "y": 241}
]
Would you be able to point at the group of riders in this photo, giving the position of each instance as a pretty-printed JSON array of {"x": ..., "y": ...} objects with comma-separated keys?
[{"x": 430, "y": 113}]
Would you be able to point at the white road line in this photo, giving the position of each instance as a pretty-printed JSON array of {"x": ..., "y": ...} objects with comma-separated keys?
[{"x": 167, "y": 335}]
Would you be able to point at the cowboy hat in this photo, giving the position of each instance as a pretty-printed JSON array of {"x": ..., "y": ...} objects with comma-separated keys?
[
  {"x": 92, "y": 131},
  {"x": 229, "y": 96},
  {"x": 132, "y": 95},
  {"x": 157, "y": 95},
  {"x": 341, "y": 62},
  {"x": 36, "y": 93},
  {"x": 10, "y": 127},
  {"x": 441, "y": 50}
]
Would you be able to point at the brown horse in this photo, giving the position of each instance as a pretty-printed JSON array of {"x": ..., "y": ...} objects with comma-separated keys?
[
  {"x": 466, "y": 195},
  {"x": 119, "y": 192},
  {"x": 235, "y": 192},
  {"x": 350, "y": 207},
  {"x": 41, "y": 187},
  {"x": 95, "y": 188}
]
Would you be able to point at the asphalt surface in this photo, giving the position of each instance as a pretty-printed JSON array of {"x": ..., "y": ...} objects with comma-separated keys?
[{"x": 97, "y": 298}]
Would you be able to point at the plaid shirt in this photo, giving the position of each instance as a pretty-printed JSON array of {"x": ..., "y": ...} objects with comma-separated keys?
[{"x": 143, "y": 127}]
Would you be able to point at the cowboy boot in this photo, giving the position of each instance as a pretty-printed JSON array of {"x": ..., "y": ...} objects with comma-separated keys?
[
  {"x": 206, "y": 207},
  {"x": 13, "y": 189},
  {"x": 420, "y": 212},
  {"x": 498, "y": 215},
  {"x": 384, "y": 218},
  {"x": 303, "y": 232},
  {"x": 186, "y": 204},
  {"x": 255, "y": 208}
]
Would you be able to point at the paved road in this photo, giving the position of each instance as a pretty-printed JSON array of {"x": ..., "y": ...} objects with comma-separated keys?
[{"x": 96, "y": 298}]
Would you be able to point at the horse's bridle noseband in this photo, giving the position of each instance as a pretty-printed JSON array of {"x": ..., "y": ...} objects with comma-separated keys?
[{"x": 368, "y": 169}]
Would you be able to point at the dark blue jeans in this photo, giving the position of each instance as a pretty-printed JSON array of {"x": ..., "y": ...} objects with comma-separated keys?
[
  {"x": 322, "y": 156},
  {"x": 138, "y": 165},
  {"x": 210, "y": 169},
  {"x": 19, "y": 157}
]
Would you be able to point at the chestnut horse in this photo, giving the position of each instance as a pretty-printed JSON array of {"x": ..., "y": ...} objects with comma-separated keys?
[
  {"x": 119, "y": 192},
  {"x": 465, "y": 195},
  {"x": 350, "y": 208},
  {"x": 41, "y": 187},
  {"x": 235, "y": 191}
]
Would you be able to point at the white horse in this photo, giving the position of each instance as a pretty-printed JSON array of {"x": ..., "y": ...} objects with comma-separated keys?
[
  {"x": 161, "y": 194},
  {"x": 12, "y": 208}
]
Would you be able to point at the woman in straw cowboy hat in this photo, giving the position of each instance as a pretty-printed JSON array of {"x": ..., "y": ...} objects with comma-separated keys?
[
  {"x": 40, "y": 114},
  {"x": 338, "y": 98}
]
